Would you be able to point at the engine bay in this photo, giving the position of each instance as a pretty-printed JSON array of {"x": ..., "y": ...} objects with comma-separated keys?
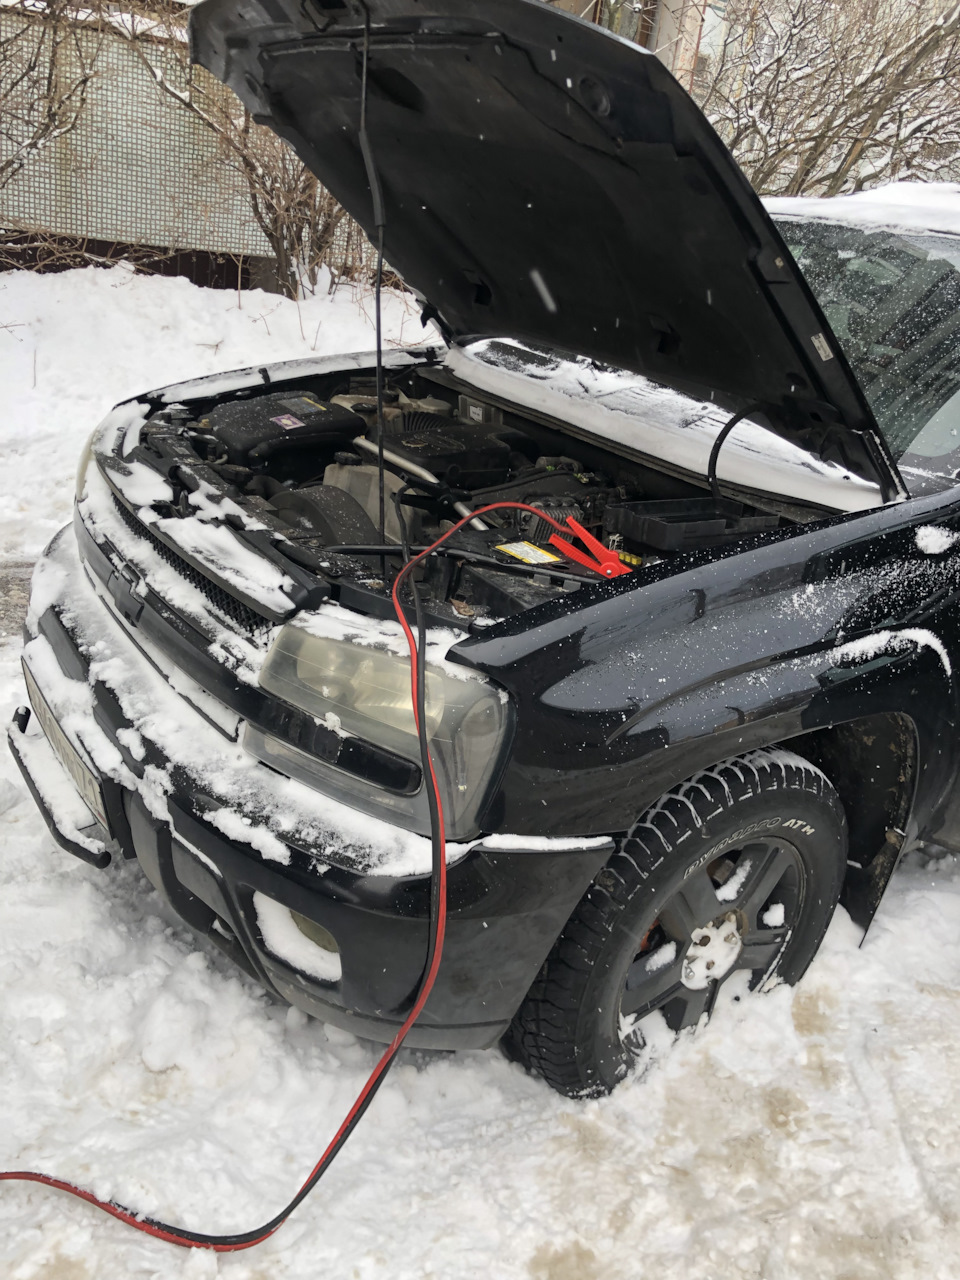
[{"x": 304, "y": 459}]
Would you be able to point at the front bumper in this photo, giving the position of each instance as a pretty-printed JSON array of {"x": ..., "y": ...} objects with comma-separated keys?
[{"x": 216, "y": 833}]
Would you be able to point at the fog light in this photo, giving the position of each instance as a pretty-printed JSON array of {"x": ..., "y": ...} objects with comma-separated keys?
[
  {"x": 316, "y": 933},
  {"x": 296, "y": 941}
]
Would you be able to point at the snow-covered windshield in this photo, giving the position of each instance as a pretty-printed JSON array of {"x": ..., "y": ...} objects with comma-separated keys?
[{"x": 893, "y": 301}]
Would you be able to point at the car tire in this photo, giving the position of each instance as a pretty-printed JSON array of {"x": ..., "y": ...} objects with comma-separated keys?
[{"x": 739, "y": 868}]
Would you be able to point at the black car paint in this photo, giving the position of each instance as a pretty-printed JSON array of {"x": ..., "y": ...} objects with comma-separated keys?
[
  {"x": 624, "y": 691},
  {"x": 672, "y": 669}
]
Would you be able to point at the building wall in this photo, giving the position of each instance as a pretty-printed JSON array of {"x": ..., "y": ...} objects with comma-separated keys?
[
  {"x": 671, "y": 29},
  {"x": 137, "y": 169},
  {"x": 582, "y": 8},
  {"x": 676, "y": 36}
]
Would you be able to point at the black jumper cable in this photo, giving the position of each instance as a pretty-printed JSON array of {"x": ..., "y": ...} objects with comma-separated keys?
[{"x": 229, "y": 1243}]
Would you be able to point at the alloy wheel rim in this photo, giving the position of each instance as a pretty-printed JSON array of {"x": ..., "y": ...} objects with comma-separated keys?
[{"x": 736, "y": 913}]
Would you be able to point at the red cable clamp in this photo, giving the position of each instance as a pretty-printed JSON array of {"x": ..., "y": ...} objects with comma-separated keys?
[{"x": 603, "y": 561}]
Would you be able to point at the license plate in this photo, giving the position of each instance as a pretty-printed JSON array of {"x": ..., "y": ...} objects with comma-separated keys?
[{"x": 84, "y": 779}]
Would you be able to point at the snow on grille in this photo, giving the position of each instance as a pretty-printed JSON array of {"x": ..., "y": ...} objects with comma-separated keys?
[{"x": 223, "y": 602}]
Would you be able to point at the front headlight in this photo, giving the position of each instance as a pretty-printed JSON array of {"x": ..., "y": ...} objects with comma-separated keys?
[
  {"x": 86, "y": 461},
  {"x": 365, "y": 693}
]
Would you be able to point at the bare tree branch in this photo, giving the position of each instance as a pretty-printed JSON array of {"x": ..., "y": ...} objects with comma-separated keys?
[
  {"x": 817, "y": 98},
  {"x": 297, "y": 216},
  {"x": 45, "y": 70}
]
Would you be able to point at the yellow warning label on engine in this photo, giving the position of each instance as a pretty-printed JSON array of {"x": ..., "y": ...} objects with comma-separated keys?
[{"x": 528, "y": 553}]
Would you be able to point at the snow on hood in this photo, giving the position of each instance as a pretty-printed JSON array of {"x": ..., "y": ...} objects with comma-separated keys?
[{"x": 627, "y": 409}]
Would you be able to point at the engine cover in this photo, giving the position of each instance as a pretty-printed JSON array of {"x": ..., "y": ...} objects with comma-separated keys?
[
  {"x": 465, "y": 456},
  {"x": 252, "y": 430}
]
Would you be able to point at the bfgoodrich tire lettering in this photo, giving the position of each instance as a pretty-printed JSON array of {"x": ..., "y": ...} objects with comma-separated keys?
[{"x": 739, "y": 868}]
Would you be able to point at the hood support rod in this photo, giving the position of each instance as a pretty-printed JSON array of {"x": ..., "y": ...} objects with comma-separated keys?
[
  {"x": 380, "y": 221},
  {"x": 718, "y": 444}
]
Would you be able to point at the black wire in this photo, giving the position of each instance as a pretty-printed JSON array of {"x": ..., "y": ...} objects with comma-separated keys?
[
  {"x": 380, "y": 222},
  {"x": 718, "y": 443},
  {"x": 380, "y": 472},
  {"x": 558, "y": 569},
  {"x": 373, "y": 177},
  {"x": 398, "y": 508}
]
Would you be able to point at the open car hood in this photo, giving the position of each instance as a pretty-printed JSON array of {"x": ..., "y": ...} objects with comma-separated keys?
[{"x": 547, "y": 181}]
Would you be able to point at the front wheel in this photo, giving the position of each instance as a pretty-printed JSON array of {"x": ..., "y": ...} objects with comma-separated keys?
[{"x": 738, "y": 869}]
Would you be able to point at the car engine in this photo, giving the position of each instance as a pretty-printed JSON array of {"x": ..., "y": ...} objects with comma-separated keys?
[{"x": 306, "y": 461}]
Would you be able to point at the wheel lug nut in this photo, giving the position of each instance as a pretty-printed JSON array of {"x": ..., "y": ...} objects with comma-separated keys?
[
  {"x": 710, "y": 964},
  {"x": 730, "y": 938}
]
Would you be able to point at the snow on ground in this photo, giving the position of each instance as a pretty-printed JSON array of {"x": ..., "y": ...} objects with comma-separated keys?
[
  {"x": 73, "y": 344},
  {"x": 808, "y": 1132}
]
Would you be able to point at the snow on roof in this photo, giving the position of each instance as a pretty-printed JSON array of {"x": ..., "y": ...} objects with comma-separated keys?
[{"x": 896, "y": 206}]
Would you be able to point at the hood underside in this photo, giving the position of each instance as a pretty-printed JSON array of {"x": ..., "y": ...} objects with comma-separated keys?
[{"x": 546, "y": 181}]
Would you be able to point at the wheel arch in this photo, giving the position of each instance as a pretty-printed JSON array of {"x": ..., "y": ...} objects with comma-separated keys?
[{"x": 872, "y": 762}]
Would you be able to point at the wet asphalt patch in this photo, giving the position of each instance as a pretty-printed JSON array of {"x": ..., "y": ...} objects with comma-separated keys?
[{"x": 14, "y": 593}]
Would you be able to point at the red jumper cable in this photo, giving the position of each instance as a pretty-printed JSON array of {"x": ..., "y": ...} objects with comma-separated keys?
[{"x": 229, "y": 1243}]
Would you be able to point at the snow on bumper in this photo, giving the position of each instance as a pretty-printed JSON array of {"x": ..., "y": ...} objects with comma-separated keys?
[
  {"x": 71, "y": 822},
  {"x": 325, "y": 906},
  {"x": 163, "y": 747}
]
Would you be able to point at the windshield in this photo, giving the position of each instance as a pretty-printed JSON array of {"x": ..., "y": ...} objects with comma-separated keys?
[{"x": 893, "y": 301}]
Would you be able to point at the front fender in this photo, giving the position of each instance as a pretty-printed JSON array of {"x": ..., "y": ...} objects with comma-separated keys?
[{"x": 624, "y": 697}]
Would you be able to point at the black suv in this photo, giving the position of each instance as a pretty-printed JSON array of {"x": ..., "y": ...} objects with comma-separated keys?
[{"x": 666, "y": 744}]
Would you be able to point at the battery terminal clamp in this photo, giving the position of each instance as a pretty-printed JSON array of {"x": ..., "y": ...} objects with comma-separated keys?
[{"x": 601, "y": 559}]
